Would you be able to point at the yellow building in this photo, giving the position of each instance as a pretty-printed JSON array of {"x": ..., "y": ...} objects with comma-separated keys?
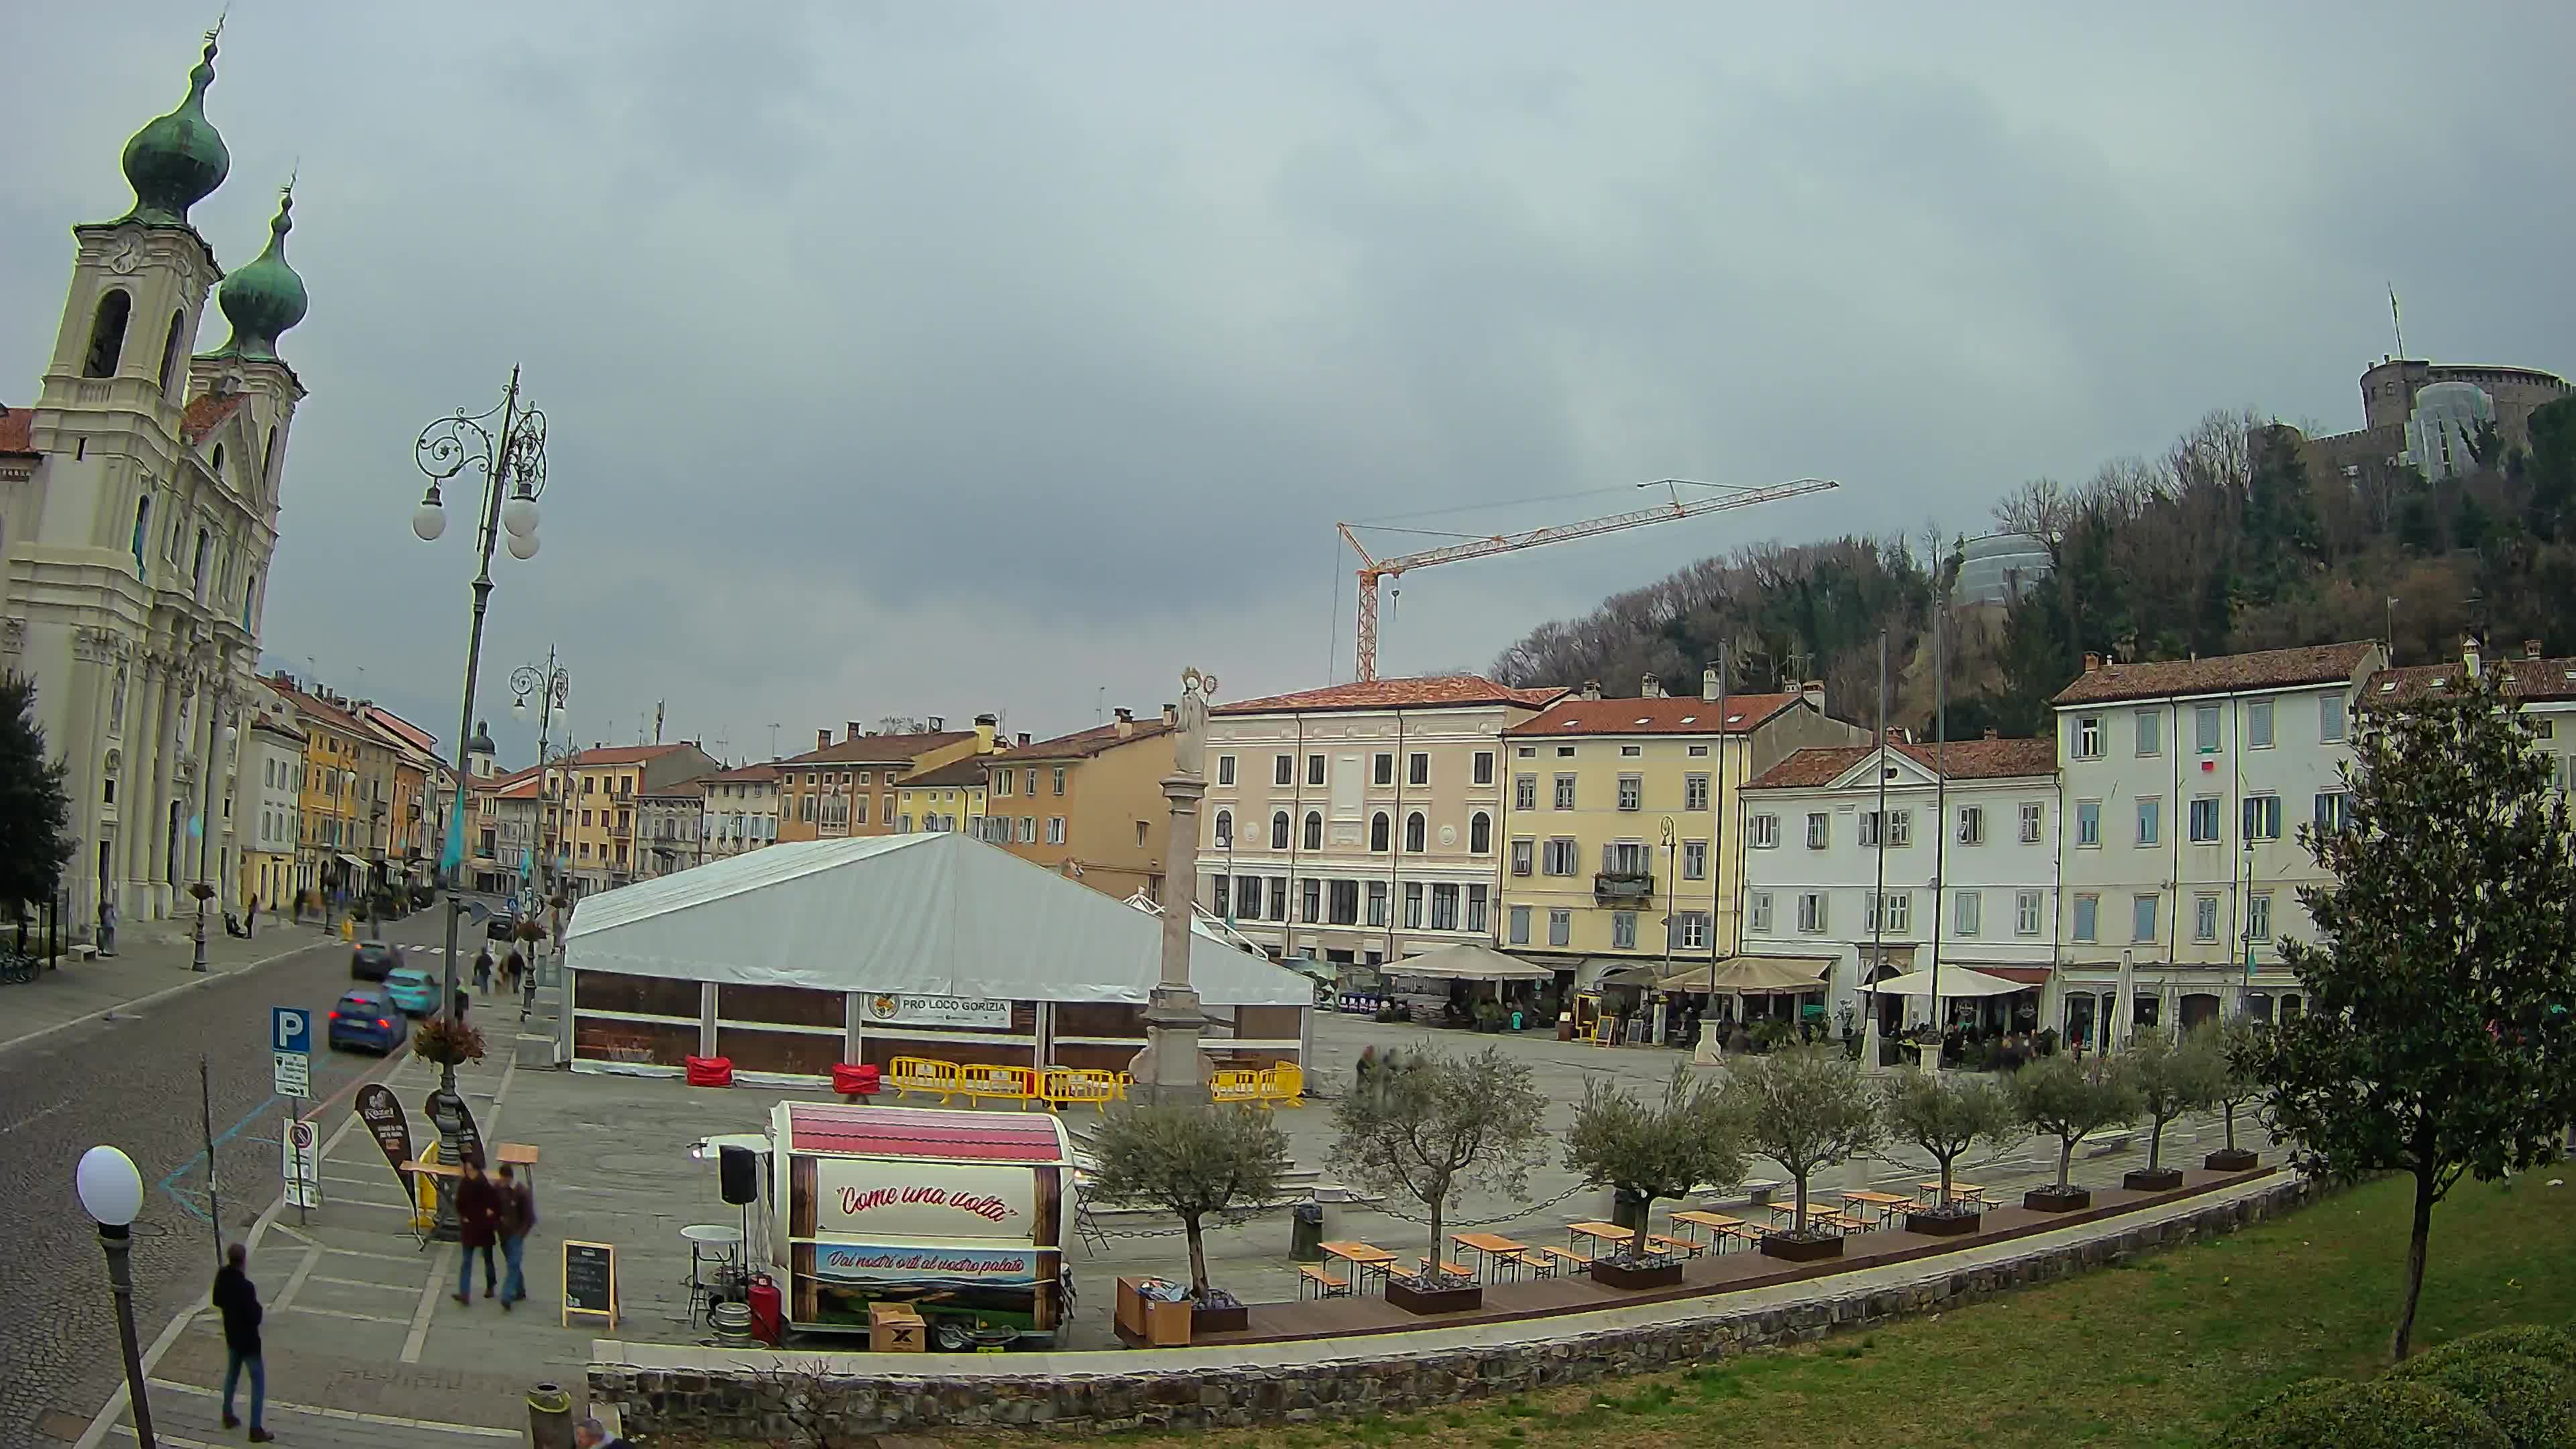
[
  {"x": 594, "y": 794},
  {"x": 847, "y": 789},
  {"x": 341, "y": 758},
  {"x": 944, "y": 797},
  {"x": 1089, "y": 804},
  {"x": 1613, "y": 818}
]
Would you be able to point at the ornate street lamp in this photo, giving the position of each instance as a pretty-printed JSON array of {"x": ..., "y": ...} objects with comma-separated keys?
[
  {"x": 111, "y": 1192},
  {"x": 205, "y": 829},
  {"x": 553, "y": 686},
  {"x": 508, "y": 445}
]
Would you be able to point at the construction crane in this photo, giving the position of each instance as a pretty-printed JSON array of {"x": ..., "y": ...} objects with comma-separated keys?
[{"x": 1372, "y": 570}]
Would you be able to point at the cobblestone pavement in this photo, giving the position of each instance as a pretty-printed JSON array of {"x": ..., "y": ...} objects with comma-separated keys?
[{"x": 131, "y": 1081}]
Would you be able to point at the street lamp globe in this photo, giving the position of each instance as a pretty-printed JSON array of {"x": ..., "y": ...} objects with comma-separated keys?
[
  {"x": 111, "y": 1191},
  {"x": 519, "y": 515},
  {"x": 523, "y": 545},
  {"x": 429, "y": 520}
]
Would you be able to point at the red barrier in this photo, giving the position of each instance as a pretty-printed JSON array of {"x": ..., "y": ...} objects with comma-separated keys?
[
  {"x": 854, "y": 1080},
  {"x": 710, "y": 1071}
]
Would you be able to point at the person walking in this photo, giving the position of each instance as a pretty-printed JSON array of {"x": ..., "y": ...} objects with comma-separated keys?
[
  {"x": 238, "y": 1301},
  {"x": 518, "y": 1215},
  {"x": 483, "y": 972},
  {"x": 592, "y": 1434},
  {"x": 478, "y": 1226},
  {"x": 250, "y": 922},
  {"x": 107, "y": 928}
]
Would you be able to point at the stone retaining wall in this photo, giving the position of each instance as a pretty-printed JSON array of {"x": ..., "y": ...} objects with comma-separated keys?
[{"x": 749, "y": 1396}]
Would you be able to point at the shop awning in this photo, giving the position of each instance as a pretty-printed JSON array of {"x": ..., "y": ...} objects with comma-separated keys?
[
  {"x": 1630, "y": 973},
  {"x": 355, "y": 862},
  {"x": 1752, "y": 976},
  {"x": 1467, "y": 961},
  {"x": 1955, "y": 981},
  {"x": 2026, "y": 975}
]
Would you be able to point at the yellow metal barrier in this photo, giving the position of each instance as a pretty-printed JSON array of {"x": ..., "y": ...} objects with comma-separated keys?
[
  {"x": 979, "y": 1080},
  {"x": 1061, "y": 1087},
  {"x": 908, "y": 1075},
  {"x": 1284, "y": 1085},
  {"x": 424, "y": 1186},
  {"x": 1235, "y": 1084}
]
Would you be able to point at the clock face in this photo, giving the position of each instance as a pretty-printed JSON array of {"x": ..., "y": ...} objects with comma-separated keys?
[{"x": 127, "y": 255}]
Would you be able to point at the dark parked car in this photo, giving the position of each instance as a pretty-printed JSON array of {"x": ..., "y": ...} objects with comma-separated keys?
[
  {"x": 372, "y": 960},
  {"x": 366, "y": 1017},
  {"x": 503, "y": 925}
]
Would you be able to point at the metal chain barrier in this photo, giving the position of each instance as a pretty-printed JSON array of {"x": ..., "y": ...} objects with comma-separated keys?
[{"x": 1449, "y": 1222}]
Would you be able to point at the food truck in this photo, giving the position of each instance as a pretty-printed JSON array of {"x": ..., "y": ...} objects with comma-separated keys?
[{"x": 958, "y": 1215}]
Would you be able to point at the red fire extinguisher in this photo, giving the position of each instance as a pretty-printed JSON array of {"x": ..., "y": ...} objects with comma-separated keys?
[{"x": 768, "y": 1318}]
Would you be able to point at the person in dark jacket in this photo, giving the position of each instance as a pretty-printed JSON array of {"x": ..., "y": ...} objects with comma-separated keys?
[
  {"x": 518, "y": 1216},
  {"x": 478, "y": 1224},
  {"x": 238, "y": 1302}
]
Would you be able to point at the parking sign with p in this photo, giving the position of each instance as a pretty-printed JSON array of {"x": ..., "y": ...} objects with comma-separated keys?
[{"x": 290, "y": 1050}]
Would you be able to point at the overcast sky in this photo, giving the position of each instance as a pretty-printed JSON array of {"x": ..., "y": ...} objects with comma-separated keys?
[{"x": 938, "y": 358}]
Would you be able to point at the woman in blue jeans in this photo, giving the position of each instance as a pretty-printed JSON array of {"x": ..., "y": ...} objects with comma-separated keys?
[
  {"x": 478, "y": 1228},
  {"x": 238, "y": 1301},
  {"x": 518, "y": 1215}
]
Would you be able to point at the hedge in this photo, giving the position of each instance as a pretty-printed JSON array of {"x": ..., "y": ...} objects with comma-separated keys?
[{"x": 2381, "y": 1414}]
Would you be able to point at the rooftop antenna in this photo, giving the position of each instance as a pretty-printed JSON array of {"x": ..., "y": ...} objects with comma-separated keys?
[
  {"x": 2393, "y": 323},
  {"x": 773, "y": 739}
]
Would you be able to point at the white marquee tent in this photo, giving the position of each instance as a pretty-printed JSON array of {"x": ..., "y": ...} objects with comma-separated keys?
[{"x": 926, "y": 914}]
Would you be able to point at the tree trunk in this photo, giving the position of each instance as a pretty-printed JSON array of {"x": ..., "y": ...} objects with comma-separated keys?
[
  {"x": 2065, "y": 1160},
  {"x": 2156, "y": 1145},
  {"x": 2230, "y": 1109},
  {"x": 1945, "y": 1178},
  {"x": 1645, "y": 1224},
  {"x": 1432, "y": 1278},
  {"x": 1798, "y": 1220},
  {"x": 2415, "y": 1241},
  {"x": 1198, "y": 1257}
]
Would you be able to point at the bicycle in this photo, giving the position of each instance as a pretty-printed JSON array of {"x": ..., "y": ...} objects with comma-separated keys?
[{"x": 17, "y": 969}]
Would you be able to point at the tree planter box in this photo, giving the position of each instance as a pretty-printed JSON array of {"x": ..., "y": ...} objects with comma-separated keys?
[
  {"x": 1801, "y": 1250},
  {"x": 1226, "y": 1316},
  {"x": 2050, "y": 1200},
  {"x": 2231, "y": 1159},
  {"x": 1943, "y": 1225},
  {"x": 1415, "y": 1295},
  {"x": 1652, "y": 1273},
  {"x": 2162, "y": 1179}
]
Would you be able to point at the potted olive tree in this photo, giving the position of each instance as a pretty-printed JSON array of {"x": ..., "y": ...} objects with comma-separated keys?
[
  {"x": 1806, "y": 1109},
  {"x": 1196, "y": 1163},
  {"x": 2235, "y": 1042},
  {"x": 2069, "y": 1100},
  {"x": 1652, "y": 1151},
  {"x": 1430, "y": 1127},
  {"x": 1946, "y": 1114},
  {"x": 2172, "y": 1075}
]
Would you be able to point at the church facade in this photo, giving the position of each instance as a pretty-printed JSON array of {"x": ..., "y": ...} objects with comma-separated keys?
[{"x": 138, "y": 516}]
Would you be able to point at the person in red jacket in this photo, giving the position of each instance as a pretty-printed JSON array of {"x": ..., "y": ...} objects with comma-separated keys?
[{"x": 478, "y": 1223}]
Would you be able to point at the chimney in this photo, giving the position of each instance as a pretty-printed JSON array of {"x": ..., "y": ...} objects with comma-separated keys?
[
  {"x": 2530, "y": 648},
  {"x": 986, "y": 726},
  {"x": 1650, "y": 688},
  {"x": 1814, "y": 690},
  {"x": 938, "y": 723},
  {"x": 1708, "y": 684},
  {"x": 1991, "y": 734},
  {"x": 1171, "y": 716},
  {"x": 2092, "y": 662},
  {"x": 823, "y": 738},
  {"x": 1592, "y": 689},
  {"x": 2469, "y": 652},
  {"x": 1023, "y": 738},
  {"x": 1126, "y": 722}
]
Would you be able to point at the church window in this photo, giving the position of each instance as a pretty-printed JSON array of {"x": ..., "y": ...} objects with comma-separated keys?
[
  {"x": 170, "y": 350},
  {"x": 218, "y": 468},
  {"x": 107, "y": 334},
  {"x": 268, "y": 456},
  {"x": 142, "y": 521}
]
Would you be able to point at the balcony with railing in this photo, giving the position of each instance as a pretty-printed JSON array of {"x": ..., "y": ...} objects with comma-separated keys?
[{"x": 1623, "y": 886}]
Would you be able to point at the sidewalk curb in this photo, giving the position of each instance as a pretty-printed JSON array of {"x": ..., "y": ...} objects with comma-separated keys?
[{"x": 193, "y": 982}]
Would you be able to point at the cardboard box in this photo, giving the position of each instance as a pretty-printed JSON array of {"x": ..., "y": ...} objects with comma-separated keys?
[
  {"x": 1144, "y": 1323},
  {"x": 896, "y": 1328}
]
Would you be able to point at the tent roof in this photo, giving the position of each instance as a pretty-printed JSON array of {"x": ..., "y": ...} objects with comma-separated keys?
[
  {"x": 1757, "y": 975},
  {"x": 1955, "y": 981},
  {"x": 1467, "y": 961},
  {"x": 928, "y": 914}
]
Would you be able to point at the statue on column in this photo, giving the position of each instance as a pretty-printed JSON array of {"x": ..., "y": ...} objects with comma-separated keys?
[{"x": 1189, "y": 745}]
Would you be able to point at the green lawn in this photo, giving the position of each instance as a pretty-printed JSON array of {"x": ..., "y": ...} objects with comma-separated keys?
[{"x": 2159, "y": 1352}]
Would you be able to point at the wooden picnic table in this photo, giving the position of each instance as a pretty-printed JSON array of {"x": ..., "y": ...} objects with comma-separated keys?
[
  {"x": 1720, "y": 1227},
  {"x": 1364, "y": 1258},
  {"x": 1492, "y": 1246},
  {"x": 1968, "y": 1190},
  {"x": 1599, "y": 1233},
  {"x": 1887, "y": 1203}
]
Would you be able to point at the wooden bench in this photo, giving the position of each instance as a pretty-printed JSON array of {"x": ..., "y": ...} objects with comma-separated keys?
[
  {"x": 1325, "y": 1284},
  {"x": 1674, "y": 1247},
  {"x": 1424, "y": 1267},
  {"x": 1555, "y": 1258}
]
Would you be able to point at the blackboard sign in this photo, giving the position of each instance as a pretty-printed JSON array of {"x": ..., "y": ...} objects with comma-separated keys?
[{"x": 590, "y": 1280}]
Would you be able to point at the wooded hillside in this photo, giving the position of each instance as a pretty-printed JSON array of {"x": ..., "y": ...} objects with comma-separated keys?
[{"x": 2224, "y": 543}]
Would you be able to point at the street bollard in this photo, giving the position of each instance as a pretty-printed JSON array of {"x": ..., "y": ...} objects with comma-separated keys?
[
  {"x": 1306, "y": 1232},
  {"x": 549, "y": 1417}
]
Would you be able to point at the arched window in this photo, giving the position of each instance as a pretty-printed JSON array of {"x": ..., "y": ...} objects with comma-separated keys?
[
  {"x": 217, "y": 468},
  {"x": 1378, "y": 831},
  {"x": 107, "y": 334},
  {"x": 1480, "y": 833},
  {"x": 1413, "y": 832},
  {"x": 268, "y": 456},
  {"x": 1314, "y": 830},
  {"x": 1279, "y": 830},
  {"x": 1225, "y": 828},
  {"x": 197, "y": 573},
  {"x": 170, "y": 350}
]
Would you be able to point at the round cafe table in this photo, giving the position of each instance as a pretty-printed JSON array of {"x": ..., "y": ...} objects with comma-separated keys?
[{"x": 710, "y": 1243}]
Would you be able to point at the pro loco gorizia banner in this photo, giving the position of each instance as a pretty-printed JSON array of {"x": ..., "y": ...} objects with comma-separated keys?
[{"x": 932, "y": 1268}]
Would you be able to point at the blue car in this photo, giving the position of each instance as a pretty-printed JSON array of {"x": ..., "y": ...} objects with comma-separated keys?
[
  {"x": 412, "y": 990},
  {"x": 367, "y": 1017}
]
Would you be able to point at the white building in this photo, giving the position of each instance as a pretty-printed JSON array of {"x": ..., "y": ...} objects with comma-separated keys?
[
  {"x": 269, "y": 818},
  {"x": 2544, "y": 688},
  {"x": 2184, "y": 784},
  {"x": 1297, "y": 786},
  {"x": 741, "y": 811},
  {"x": 1969, "y": 869},
  {"x": 138, "y": 513}
]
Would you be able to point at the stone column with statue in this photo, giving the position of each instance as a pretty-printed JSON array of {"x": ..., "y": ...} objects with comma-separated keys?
[{"x": 1169, "y": 1070}]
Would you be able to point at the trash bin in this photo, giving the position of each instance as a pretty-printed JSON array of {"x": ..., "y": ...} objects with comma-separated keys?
[
  {"x": 549, "y": 1417},
  {"x": 1516, "y": 1020},
  {"x": 1627, "y": 1209},
  {"x": 1306, "y": 1232}
]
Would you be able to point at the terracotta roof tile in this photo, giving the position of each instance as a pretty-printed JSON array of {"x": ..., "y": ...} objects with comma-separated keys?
[
  {"x": 17, "y": 430},
  {"x": 1692, "y": 716},
  {"x": 968, "y": 771},
  {"x": 748, "y": 774},
  {"x": 1427, "y": 692},
  {"x": 876, "y": 749},
  {"x": 319, "y": 708},
  {"x": 622, "y": 754},
  {"x": 2263, "y": 669},
  {"x": 1083, "y": 744},
  {"x": 207, "y": 411},
  {"x": 1961, "y": 759},
  {"x": 2525, "y": 678}
]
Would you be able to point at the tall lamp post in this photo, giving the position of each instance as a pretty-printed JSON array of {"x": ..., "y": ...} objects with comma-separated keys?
[
  {"x": 553, "y": 686},
  {"x": 205, "y": 830},
  {"x": 111, "y": 1192},
  {"x": 508, "y": 445}
]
